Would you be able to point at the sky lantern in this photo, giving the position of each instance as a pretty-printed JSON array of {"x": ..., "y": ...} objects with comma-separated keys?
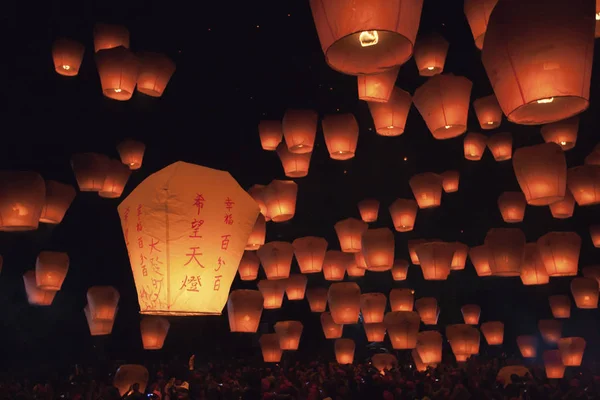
[
  {"x": 592, "y": 272},
  {"x": 280, "y": 199},
  {"x": 480, "y": 258},
  {"x": 402, "y": 328},
  {"x": 310, "y": 253},
  {"x": 594, "y": 157},
  {"x": 541, "y": 171},
  {"x": 560, "y": 252},
  {"x": 377, "y": 88},
  {"x": 359, "y": 259},
  {"x": 352, "y": 268},
  {"x": 430, "y": 54},
  {"x": 539, "y": 75},
  {"x": 344, "y": 302},
  {"x": 419, "y": 364},
  {"x": 584, "y": 184},
  {"x": 375, "y": 332},
  {"x": 257, "y": 192},
  {"x": 478, "y": 14},
  {"x": 429, "y": 347},
  {"x": 272, "y": 292},
  {"x": 493, "y": 332},
  {"x": 459, "y": 259},
  {"x": 349, "y": 232},
  {"x": 436, "y": 259},
  {"x": 553, "y": 365},
  {"x": 299, "y": 130},
  {"x": 289, "y": 334},
  {"x": 550, "y": 329},
  {"x": 35, "y": 295},
  {"x": 249, "y": 264},
  {"x": 390, "y": 117},
  {"x": 270, "y": 133},
  {"x": 108, "y": 36},
  {"x": 127, "y": 375},
  {"x": 294, "y": 165},
  {"x": 154, "y": 331},
  {"x": 131, "y": 153},
  {"x": 500, "y": 144},
  {"x": 22, "y": 199},
  {"x": 334, "y": 265},
  {"x": 564, "y": 208},
  {"x": 269, "y": 345},
  {"x": 330, "y": 328},
  {"x": 571, "y": 350},
  {"x": 257, "y": 237},
  {"x": 506, "y": 248},
  {"x": 450, "y": 180},
  {"x": 560, "y": 305},
  {"x": 404, "y": 214},
  {"x": 512, "y": 206},
  {"x": 368, "y": 209},
  {"x": 585, "y": 292},
  {"x": 116, "y": 178},
  {"x": 402, "y": 299},
  {"x": 344, "y": 351},
  {"x": 443, "y": 102},
  {"x": 563, "y": 133},
  {"x": 155, "y": 71},
  {"x": 206, "y": 220},
  {"x": 488, "y": 112},
  {"x": 471, "y": 313},
  {"x": 384, "y": 362},
  {"x": 464, "y": 340},
  {"x": 98, "y": 327},
  {"x": 103, "y": 302},
  {"x": 533, "y": 271},
  {"x": 378, "y": 249},
  {"x": 90, "y": 170},
  {"x": 595, "y": 235},
  {"x": 527, "y": 345},
  {"x": 474, "y": 146},
  {"x": 276, "y": 259},
  {"x": 296, "y": 286},
  {"x": 400, "y": 270},
  {"x": 412, "y": 250},
  {"x": 428, "y": 310},
  {"x": 366, "y": 37},
  {"x": 317, "y": 299},
  {"x": 372, "y": 307},
  {"x": 118, "y": 70},
  {"x": 427, "y": 189},
  {"x": 59, "y": 197},
  {"x": 67, "y": 55},
  {"x": 51, "y": 268},
  {"x": 341, "y": 135}
]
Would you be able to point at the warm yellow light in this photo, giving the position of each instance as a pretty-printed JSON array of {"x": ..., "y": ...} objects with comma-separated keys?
[
  {"x": 431, "y": 68},
  {"x": 66, "y": 67},
  {"x": 20, "y": 209},
  {"x": 118, "y": 90},
  {"x": 598, "y": 16},
  {"x": 368, "y": 38},
  {"x": 448, "y": 126},
  {"x": 391, "y": 127},
  {"x": 490, "y": 122},
  {"x": 546, "y": 101},
  {"x": 132, "y": 163},
  {"x": 563, "y": 143}
]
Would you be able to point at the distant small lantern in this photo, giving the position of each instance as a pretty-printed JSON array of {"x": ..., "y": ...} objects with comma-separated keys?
[
  {"x": 118, "y": 70},
  {"x": 377, "y": 88},
  {"x": 378, "y": 249},
  {"x": 560, "y": 252},
  {"x": 330, "y": 328},
  {"x": 584, "y": 184},
  {"x": 295, "y": 286},
  {"x": 512, "y": 206},
  {"x": 384, "y": 362},
  {"x": 585, "y": 292},
  {"x": 555, "y": 369},
  {"x": 404, "y": 214},
  {"x": 560, "y": 305},
  {"x": 310, "y": 253},
  {"x": 289, "y": 333},
  {"x": 478, "y": 14},
  {"x": 459, "y": 259},
  {"x": 430, "y": 54},
  {"x": 402, "y": 299},
  {"x": 344, "y": 302},
  {"x": 334, "y": 265},
  {"x": 471, "y": 313},
  {"x": 349, "y": 232},
  {"x": 436, "y": 259},
  {"x": 571, "y": 351},
  {"x": 428, "y": 310},
  {"x": 368, "y": 209},
  {"x": 375, "y": 332},
  {"x": 98, "y": 327},
  {"x": 506, "y": 247},
  {"x": 257, "y": 237},
  {"x": 372, "y": 307},
  {"x": 390, "y": 117},
  {"x": 269, "y": 345},
  {"x": 108, "y": 36},
  {"x": 564, "y": 208},
  {"x": 154, "y": 331},
  {"x": 272, "y": 292},
  {"x": 294, "y": 165},
  {"x": 412, "y": 250},
  {"x": 103, "y": 302},
  {"x": 299, "y": 130},
  {"x": 592, "y": 272},
  {"x": 595, "y": 235},
  {"x": 400, "y": 270},
  {"x": 51, "y": 268},
  {"x": 429, "y": 347},
  {"x": 474, "y": 146},
  {"x": 500, "y": 144},
  {"x": 59, "y": 197},
  {"x": 317, "y": 299},
  {"x": 493, "y": 332},
  {"x": 35, "y": 295},
  {"x": 533, "y": 271},
  {"x": 563, "y": 133},
  {"x": 550, "y": 329},
  {"x": 527, "y": 346},
  {"x": 90, "y": 170},
  {"x": 22, "y": 198},
  {"x": 341, "y": 135},
  {"x": 116, "y": 178},
  {"x": 276, "y": 259},
  {"x": 344, "y": 351},
  {"x": 480, "y": 258},
  {"x": 427, "y": 189},
  {"x": 450, "y": 180},
  {"x": 352, "y": 268},
  {"x": 249, "y": 264},
  {"x": 67, "y": 55},
  {"x": 402, "y": 328},
  {"x": 443, "y": 102},
  {"x": 131, "y": 153},
  {"x": 488, "y": 112},
  {"x": 270, "y": 133},
  {"x": 280, "y": 199},
  {"x": 155, "y": 71}
]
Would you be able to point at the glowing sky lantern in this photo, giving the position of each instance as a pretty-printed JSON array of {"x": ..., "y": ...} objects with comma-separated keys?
[
  {"x": 317, "y": 299},
  {"x": 471, "y": 313},
  {"x": 349, "y": 232},
  {"x": 375, "y": 332},
  {"x": 478, "y": 14},
  {"x": 330, "y": 328},
  {"x": 428, "y": 310},
  {"x": 459, "y": 259},
  {"x": 295, "y": 286},
  {"x": 344, "y": 351},
  {"x": 506, "y": 247},
  {"x": 344, "y": 302},
  {"x": 51, "y": 269},
  {"x": 244, "y": 308},
  {"x": 377, "y": 88},
  {"x": 299, "y": 130},
  {"x": 289, "y": 334},
  {"x": 595, "y": 235},
  {"x": 429, "y": 346},
  {"x": 310, "y": 253},
  {"x": 109, "y": 36},
  {"x": 269, "y": 344},
  {"x": 248, "y": 268},
  {"x": 272, "y": 292},
  {"x": 35, "y": 295},
  {"x": 563, "y": 133},
  {"x": 67, "y": 55},
  {"x": 584, "y": 184},
  {"x": 118, "y": 70},
  {"x": 334, "y": 265},
  {"x": 400, "y": 270},
  {"x": 384, "y": 362},
  {"x": 280, "y": 199},
  {"x": 155, "y": 71},
  {"x": 560, "y": 305},
  {"x": 493, "y": 331},
  {"x": 500, "y": 144},
  {"x": 402, "y": 299},
  {"x": 450, "y": 181},
  {"x": 257, "y": 238},
  {"x": 116, "y": 178},
  {"x": 480, "y": 258},
  {"x": 585, "y": 292},
  {"x": 427, "y": 189},
  {"x": 559, "y": 252},
  {"x": 341, "y": 135},
  {"x": 404, "y": 214},
  {"x": 185, "y": 228},
  {"x": 512, "y": 206},
  {"x": 430, "y": 54},
  {"x": 533, "y": 271},
  {"x": 555, "y": 369},
  {"x": 22, "y": 198},
  {"x": 59, "y": 197},
  {"x": 550, "y": 329},
  {"x": 378, "y": 249},
  {"x": 294, "y": 165},
  {"x": 258, "y": 194},
  {"x": 564, "y": 208},
  {"x": 402, "y": 327},
  {"x": 154, "y": 331},
  {"x": 435, "y": 258},
  {"x": 571, "y": 350},
  {"x": 474, "y": 146},
  {"x": 276, "y": 259},
  {"x": 131, "y": 153},
  {"x": 390, "y": 118},
  {"x": 271, "y": 133},
  {"x": 527, "y": 345},
  {"x": 369, "y": 210},
  {"x": 488, "y": 112},
  {"x": 372, "y": 307}
]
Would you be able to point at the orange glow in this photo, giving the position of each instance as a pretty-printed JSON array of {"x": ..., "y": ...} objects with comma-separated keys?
[
  {"x": 563, "y": 133},
  {"x": 384, "y": 362},
  {"x": 289, "y": 333},
  {"x": 295, "y": 287},
  {"x": 584, "y": 184},
  {"x": 533, "y": 271},
  {"x": 272, "y": 292},
  {"x": 527, "y": 345},
  {"x": 428, "y": 310},
  {"x": 59, "y": 197},
  {"x": 344, "y": 302},
  {"x": 378, "y": 249},
  {"x": 248, "y": 268},
  {"x": 375, "y": 332},
  {"x": 402, "y": 328},
  {"x": 299, "y": 130},
  {"x": 460, "y": 256},
  {"x": 404, "y": 214},
  {"x": 435, "y": 258},
  {"x": 478, "y": 14},
  {"x": 480, "y": 258},
  {"x": 155, "y": 71},
  {"x": 294, "y": 165},
  {"x": 512, "y": 206},
  {"x": 269, "y": 345},
  {"x": 402, "y": 299},
  {"x": 116, "y": 178},
  {"x": 276, "y": 259},
  {"x": 344, "y": 351},
  {"x": 103, "y": 302},
  {"x": 51, "y": 268},
  {"x": 349, "y": 232},
  {"x": 377, "y": 87},
  {"x": 257, "y": 237},
  {"x": 310, "y": 253},
  {"x": 471, "y": 313},
  {"x": 559, "y": 252},
  {"x": 400, "y": 270},
  {"x": 390, "y": 118},
  {"x": 35, "y": 295},
  {"x": 506, "y": 247},
  {"x": 500, "y": 144},
  {"x": 560, "y": 305},
  {"x": 67, "y": 55},
  {"x": 271, "y": 134},
  {"x": 571, "y": 351},
  {"x": 118, "y": 70},
  {"x": 330, "y": 328},
  {"x": 154, "y": 331},
  {"x": 429, "y": 347},
  {"x": 372, "y": 307},
  {"x": 334, "y": 265},
  {"x": 22, "y": 199},
  {"x": 107, "y": 36},
  {"x": 555, "y": 369},
  {"x": 258, "y": 194},
  {"x": 131, "y": 153},
  {"x": 341, "y": 135},
  {"x": 493, "y": 332},
  {"x": 550, "y": 329},
  {"x": 427, "y": 189},
  {"x": 488, "y": 112},
  {"x": 430, "y": 54},
  {"x": 368, "y": 209},
  {"x": 585, "y": 292},
  {"x": 280, "y": 199},
  {"x": 450, "y": 181},
  {"x": 474, "y": 146},
  {"x": 317, "y": 299},
  {"x": 564, "y": 208}
]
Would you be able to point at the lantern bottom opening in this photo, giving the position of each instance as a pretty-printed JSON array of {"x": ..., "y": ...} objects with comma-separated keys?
[
  {"x": 371, "y": 99},
  {"x": 548, "y": 109},
  {"x": 404, "y": 228},
  {"x": 300, "y": 148},
  {"x": 49, "y": 221},
  {"x": 62, "y": 70},
  {"x": 296, "y": 174},
  {"x": 488, "y": 126},
  {"x": 110, "y": 195},
  {"x": 149, "y": 92},
  {"x": 544, "y": 201},
  {"x": 117, "y": 94},
  {"x": 449, "y": 131},
  {"x": 430, "y": 71},
  {"x": 389, "y": 130},
  {"x": 18, "y": 228},
  {"x": 342, "y": 155},
  {"x": 282, "y": 217}
]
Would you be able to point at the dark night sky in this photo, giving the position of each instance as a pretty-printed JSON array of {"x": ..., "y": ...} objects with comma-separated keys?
[{"x": 237, "y": 64}]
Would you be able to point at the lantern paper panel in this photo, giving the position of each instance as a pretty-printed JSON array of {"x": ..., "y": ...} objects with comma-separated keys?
[
  {"x": 109, "y": 36},
  {"x": 276, "y": 259},
  {"x": 571, "y": 351},
  {"x": 493, "y": 332},
  {"x": 419, "y": 364},
  {"x": 272, "y": 292},
  {"x": 412, "y": 250},
  {"x": 116, "y": 178},
  {"x": 90, "y": 170},
  {"x": 294, "y": 165},
  {"x": 378, "y": 249},
  {"x": 334, "y": 265},
  {"x": 344, "y": 351},
  {"x": 402, "y": 328},
  {"x": 384, "y": 362},
  {"x": 390, "y": 117},
  {"x": 22, "y": 199},
  {"x": 559, "y": 252},
  {"x": 564, "y": 208},
  {"x": 527, "y": 346},
  {"x": 584, "y": 184},
  {"x": 430, "y": 54},
  {"x": 344, "y": 302},
  {"x": 500, "y": 144},
  {"x": 127, "y": 375},
  {"x": 595, "y": 235},
  {"x": 295, "y": 286},
  {"x": 555, "y": 369},
  {"x": 592, "y": 272},
  {"x": 67, "y": 55},
  {"x": 471, "y": 313},
  {"x": 289, "y": 333},
  {"x": 310, "y": 253},
  {"x": 488, "y": 111},
  {"x": 464, "y": 340},
  {"x": 480, "y": 258},
  {"x": 428, "y": 310},
  {"x": 427, "y": 189},
  {"x": 368, "y": 209},
  {"x": 269, "y": 345},
  {"x": 51, "y": 268},
  {"x": 359, "y": 259},
  {"x": 377, "y": 88},
  {"x": 341, "y": 135},
  {"x": 98, "y": 327},
  {"x": 330, "y": 328},
  {"x": 404, "y": 214},
  {"x": 429, "y": 347},
  {"x": 551, "y": 330},
  {"x": 352, "y": 268},
  {"x": 131, "y": 153},
  {"x": 560, "y": 305},
  {"x": 563, "y": 133},
  {"x": 35, "y": 295},
  {"x": 118, "y": 70},
  {"x": 256, "y": 239},
  {"x": 474, "y": 146},
  {"x": 59, "y": 197},
  {"x": 400, "y": 270},
  {"x": 349, "y": 232},
  {"x": 533, "y": 271},
  {"x": 585, "y": 292},
  {"x": 512, "y": 206},
  {"x": 478, "y": 14},
  {"x": 402, "y": 299},
  {"x": 155, "y": 72},
  {"x": 506, "y": 247},
  {"x": 436, "y": 259},
  {"x": 280, "y": 200},
  {"x": 257, "y": 192},
  {"x": 299, "y": 130},
  {"x": 249, "y": 264},
  {"x": 317, "y": 299},
  {"x": 103, "y": 302},
  {"x": 375, "y": 332},
  {"x": 244, "y": 309},
  {"x": 594, "y": 157},
  {"x": 450, "y": 181},
  {"x": 372, "y": 307},
  {"x": 459, "y": 259},
  {"x": 154, "y": 331},
  {"x": 270, "y": 133}
]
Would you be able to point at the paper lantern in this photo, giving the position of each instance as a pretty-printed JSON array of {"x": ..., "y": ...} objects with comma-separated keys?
[
  {"x": 257, "y": 192},
  {"x": 276, "y": 259},
  {"x": 116, "y": 178},
  {"x": 506, "y": 247},
  {"x": 344, "y": 351},
  {"x": 118, "y": 70},
  {"x": 429, "y": 347},
  {"x": 550, "y": 329},
  {"x": 488, "y": 111},
  {"x": 584, "y": 184},
  {"x": 541, "y": 171},
  {"x": 384, "y": 362},
  {"x": 22, "y": 199},
  {"x": 500, "y": 144},
  {"x": 375, "y": 332},
  {"x": 310, "y": 253},
  {"x": 98, "y": 327},
  {"x": 334, "y": 265},
  {"x": 512, "y": 206},
  {"x": 349, "y": 232},
  {"x": 560, "y": 306},
  {"x": 67, "y": 55},
  {"x": 103, "y": 302},
  {"x": 108, "y": 36},
  {"x": 366, "y": 37},
  {"x": 205, "y": 219},
  {"x": 443, "y": 102},
  {"x": 592, "y": 272},
  {"x": 154, "y": 332},
  {"x": 257, "y": 237},
  {"x": 51, "y": 268},
  {"x": 427, "y": 189},
  {"x": 402, "y": 328},
  {"x": 527, "y": 345},
  {"x": 428, "y": 310},
  {"x": 390, "y": 118},
  {"x": 359, "y": 259},
  {"x": 419, "y": 364},
  {"x": 585, "y": 292},
  {"x": 560, "y": 252},
  {"x": 471, "y": 313},
  {"x": 436, "y": 259},
  {"x": 378, "y": 249},
  {"x": 480, "y": 258},
  {"x": 400, "y": 270},
  {"x": 272, "y": 292},
  {"x": 280, "y": 199},
  {"x": 344, "y": 302},
  {"x": 299, "y": 130},
  {"x": 474, "y": 146},
  {"x": 90, "y": 170},
  {"x": 593, "y": 158},
  {"x": 564, "y": 208},
  {"x": 464, "y": 340},
  {"x": 341, "y": 135},
  {"x": 155, "y": 71},
  {"x": 128, "y": 375},
  {"x": 269, "y": 345},
  {"x": 412, "y": 249},
  {"x": 450, "y": 180},
  {"x": 248, "y": 268},
  {"x": 430, "y": 54},
  {"x": 59, "y": 197},
  {"x": 595, "y": 235},
  {"x": 555, "y": 369},
  {"x": 404, "y": 214},
  {"x": 352, "y": 268},
  {"x": 563, "y": 133},
  {"x": 571, "y": 350},
  {"x": 35, "y": 295},
  {"x": 368, "y": 209},
  {"x": 330, "y": 328},
  {"x": 289, "y": 333},
  {"x": 533, "y": 271},
  {"x": 459, "y": 259},
  {"x": 296, "y": 286},
  {"x": 131, "y": 153},
  {"x": 270, "y": 133},
  {"x": 317, "y": 299},
  {"x": 478, "y": 14},
  {"x": 372, "y": 307},
  {"x": 493, "y": 332},
  {"x": 540, "y": 75},
  {"x": 402, "y": 299},
  {"x": 377, "y": 87},
  {"x": 294, "y": 165}
]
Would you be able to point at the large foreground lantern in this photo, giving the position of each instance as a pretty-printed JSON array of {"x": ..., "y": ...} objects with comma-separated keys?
[
  {"x": 430, "y": 54},
  {"x": 402, "y": 299},
  {"x": 270, "y": 133},
  {"x": 109, "y": 36},
  {"x": 540, "y": 75},
  {"x": 402, "y": 328},
  {"x": 488, "y": 112},
  {"x": 129, "y": 374},
  {"x": 478, "y": 14},
  {"x": 154, "y": 73},
  {"x": 341, "y": 135},
  {"x": 131, "y": 153},
  {"x": 344, "y": 302},
  {"x": 51, "y": 268},
  {"x": 560, "y": 252},
  {"x": 185, "y": 228},
  {"x": 378, "y": 249},
  {"x": 563, "y": 133},
  {"x": 377, "y": 88},
  {"x": 276, "y": 259},
  {"x": 118, "y": 70},
  {"x": 67, "y": 55},
  {"x": 295, "y": 165},
  {"x": 244, "y": 309},
  {"x": 280, "y": 200},
  {"x": 154, "y": 331},
  {"x": 59, "y": 197},
  {"x": 474, "y": 146},
  {"x": 299, "y": 130},
  {"x": 560, "y": 305},
  {"x": 366, "y": 36},
  {"x": 404, "y": 214},
  {"x": 390, "y": 117},
  {"x": 310, "y": 253},
  {"x": 584, "y": 184},
  {"x": 506, "y": 248},
  {"x": 22, "y": 198},
  {"x": 427, "y": 189}
]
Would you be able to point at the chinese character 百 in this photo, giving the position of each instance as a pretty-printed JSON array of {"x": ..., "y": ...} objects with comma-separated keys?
[
  {"x": 140, "y": 242},
  {"x": 224, "y": 242},
  {"x": 191, "y": 283},
  {"x": 217, "y": 285},
  {"x": 199, "y": 202},
  {"x": 192, "y": 256}
]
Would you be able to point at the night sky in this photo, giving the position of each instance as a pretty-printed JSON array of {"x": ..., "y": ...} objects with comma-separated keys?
[{"x": 238, "y": 64}]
